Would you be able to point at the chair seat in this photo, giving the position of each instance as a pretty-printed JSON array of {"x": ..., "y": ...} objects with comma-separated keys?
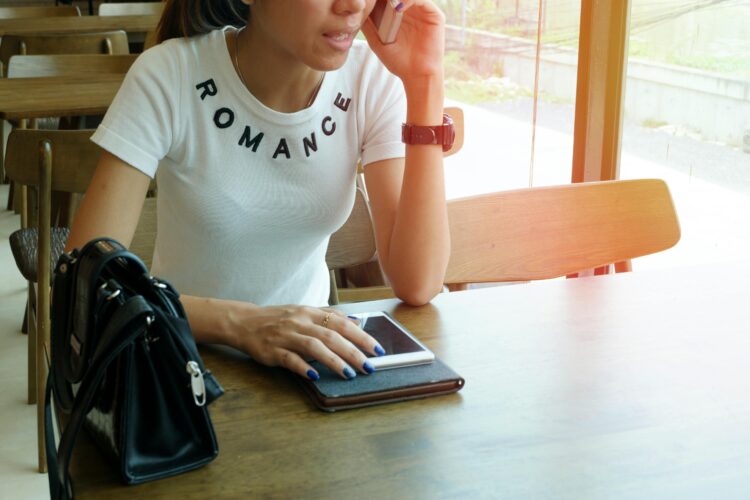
[{"x": 24, "y": 245}]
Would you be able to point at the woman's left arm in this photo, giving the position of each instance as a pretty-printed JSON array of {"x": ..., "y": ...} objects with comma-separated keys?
[{"x": 407, "y": 196}]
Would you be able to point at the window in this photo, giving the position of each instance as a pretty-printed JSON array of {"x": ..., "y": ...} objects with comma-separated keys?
[
  {"x": 687, "y": 120},
  {"x": 511, "y": 66}
]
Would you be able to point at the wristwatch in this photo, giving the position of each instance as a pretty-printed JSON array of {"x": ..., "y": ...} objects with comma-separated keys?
[{"x": 443, "y": 134}]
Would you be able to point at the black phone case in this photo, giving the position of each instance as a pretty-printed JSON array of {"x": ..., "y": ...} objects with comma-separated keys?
[{"x": 332, "y": 393}]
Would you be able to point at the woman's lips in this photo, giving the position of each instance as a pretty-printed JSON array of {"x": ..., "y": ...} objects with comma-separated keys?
[{"x": 339, "y": 40}]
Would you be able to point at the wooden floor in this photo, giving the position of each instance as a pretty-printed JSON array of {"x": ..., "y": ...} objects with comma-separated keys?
[{"x": 18, "y": 475}]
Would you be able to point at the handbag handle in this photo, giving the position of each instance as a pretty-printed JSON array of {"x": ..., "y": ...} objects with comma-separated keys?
[{"x": 129, "y": 321}]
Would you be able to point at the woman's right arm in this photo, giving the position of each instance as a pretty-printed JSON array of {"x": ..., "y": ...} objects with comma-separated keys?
[
  {"x": 112, "y": 204},
  {"x": 276, "y": 336}
]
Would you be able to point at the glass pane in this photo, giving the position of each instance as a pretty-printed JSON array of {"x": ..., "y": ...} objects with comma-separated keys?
[
  {"x": 687, "y": 120},
  {"x": 496, "y": 71}
]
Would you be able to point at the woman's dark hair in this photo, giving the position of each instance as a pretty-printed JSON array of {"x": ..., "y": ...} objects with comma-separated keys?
[{"x": 185, "y": 18}]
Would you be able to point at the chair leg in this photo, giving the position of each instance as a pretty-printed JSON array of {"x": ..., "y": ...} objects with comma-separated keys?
[
  {"x": 25, "y": 324},
  {"x": 2, "y": 152},
  {"x": 31, "y": 318},
  {"x": 11, "y": 195},
  {"x": 42, "y": 340},
  {"x": 624, "y": 267}
]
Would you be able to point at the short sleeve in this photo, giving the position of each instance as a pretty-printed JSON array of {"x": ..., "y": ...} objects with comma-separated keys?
[
  {"x": 385, "y": 112},
  {"x": 139, "y": 126}
]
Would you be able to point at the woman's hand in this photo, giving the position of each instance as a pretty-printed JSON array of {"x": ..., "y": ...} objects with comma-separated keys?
[
  {"x": 289, "y": 335},
  {"x": 418, "y": 51}
]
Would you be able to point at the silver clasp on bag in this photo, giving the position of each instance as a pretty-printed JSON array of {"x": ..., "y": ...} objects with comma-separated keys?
[
  {"x": 157, "y": 283},
  {"x": 197, "y": 383},
  {"x": 113, "y": 294}
]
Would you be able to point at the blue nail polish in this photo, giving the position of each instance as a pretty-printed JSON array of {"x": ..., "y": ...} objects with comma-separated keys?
[
  {"x": 349, "y": 373},
  {"x": 312, "y": 375},
  {"x": 379, "y": 350},
  {"x": 400, "y": 6},
  {"x": 368, "y": 367}
]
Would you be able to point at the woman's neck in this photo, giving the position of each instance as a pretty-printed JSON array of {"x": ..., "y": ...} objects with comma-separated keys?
[{"x": 279, "y": 81}]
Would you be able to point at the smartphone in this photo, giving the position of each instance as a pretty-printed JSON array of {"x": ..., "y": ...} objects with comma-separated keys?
[
  {"x": 401, "y": 347},
  {"x": 387, "y": 19}
]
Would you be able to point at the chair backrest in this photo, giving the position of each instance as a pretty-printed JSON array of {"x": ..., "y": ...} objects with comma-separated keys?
[
  {"x": 458, "y": 122},
  {"x": 107, "y": 42},
  {"x": 70, "y": 159},
  {"x": 74, "y": 158},
  {"x": 547, "y": 232},
  {"x": 68, "y": 64},
  {"x": 38, "y": 11},
  {"x": 354, "y": 242},
  {"x": 353, "y": 245},
  {"x": 131, "y": 9}
]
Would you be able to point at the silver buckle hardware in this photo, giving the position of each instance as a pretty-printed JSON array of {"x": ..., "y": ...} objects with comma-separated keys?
[{"x": 197, "y": 383}]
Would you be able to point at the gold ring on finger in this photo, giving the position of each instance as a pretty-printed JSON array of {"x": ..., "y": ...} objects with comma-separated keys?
[{"x": 326, "y": 319}]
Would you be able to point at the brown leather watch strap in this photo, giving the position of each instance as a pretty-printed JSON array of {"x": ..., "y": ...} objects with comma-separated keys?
[{"x": 443, "y": 134}]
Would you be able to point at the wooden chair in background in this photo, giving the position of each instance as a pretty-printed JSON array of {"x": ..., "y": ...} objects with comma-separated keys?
[
  {"x": 131, "y": 9},
  {"x": 358, "y": 279},
  {"x": 68, "y": 64},
  {"x": 47, "y": 161},
  {"x": 109, "y": 43},
  {"x": 546, "y": 232},
  {"x": 38, "y": 11},
  {"x": 353, "y": 244},
  {"x": 138, "y": 41},
  {"x": 90, "y": 3},
  {"x": 30, "y": 12},
  {"x": 106, "y": 42}
]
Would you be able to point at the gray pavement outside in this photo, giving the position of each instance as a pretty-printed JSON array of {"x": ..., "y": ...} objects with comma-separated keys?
[{"x": 710, "y": 183}]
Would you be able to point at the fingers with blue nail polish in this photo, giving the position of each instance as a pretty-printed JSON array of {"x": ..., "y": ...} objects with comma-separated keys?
[
  {"x": 349, "y": 373},
  {"x": 312, "y": 375},
  {"x": 367, "y": 367},
  {"x": 379, "y": 350}
]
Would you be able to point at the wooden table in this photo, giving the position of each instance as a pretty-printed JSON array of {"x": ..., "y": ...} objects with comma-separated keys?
[
  {"x": 57, "y": 96},
  {"x": 628, "y": 386},
  {"x": 79, "y": 24}
]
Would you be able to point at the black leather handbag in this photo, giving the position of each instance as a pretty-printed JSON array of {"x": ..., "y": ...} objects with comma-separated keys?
[{"x": 124, "y": 365}]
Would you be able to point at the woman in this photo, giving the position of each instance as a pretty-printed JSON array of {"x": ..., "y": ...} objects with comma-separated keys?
[{"x": 255, "y": 113}]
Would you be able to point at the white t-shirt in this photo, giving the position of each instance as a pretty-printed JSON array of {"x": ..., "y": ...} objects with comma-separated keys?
[{"x": 248, "y": 196}]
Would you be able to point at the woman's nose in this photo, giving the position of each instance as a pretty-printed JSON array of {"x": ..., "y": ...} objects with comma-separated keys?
[{"x": 345, "y": 7}]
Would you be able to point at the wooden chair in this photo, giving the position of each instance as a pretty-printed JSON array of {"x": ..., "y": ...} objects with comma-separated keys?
[
  {"x": 30, "y": 12},
  {"x": 352, "y": 244},
  {"x": 70, "y": 2},
  {"x": 110, "y": 43},
  {"x": 106, "y": 42},
  {"x": 131, "y": 9},
  {"x": 38, "y": 11},
  {"x": 360, "y": 275},
  {"x": 547, "y": 232},
  {"x": 23, "y": 66},
  {"x": 47, "y": 161},
  {"x": 138, "y": 41},
  {"x": 68, "y": 64}
]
